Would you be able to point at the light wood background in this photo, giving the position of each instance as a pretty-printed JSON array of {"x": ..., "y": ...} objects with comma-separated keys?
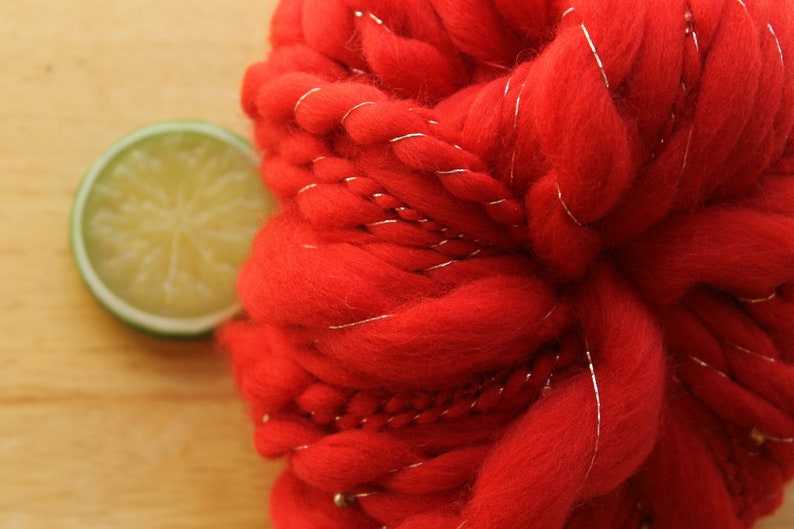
[{"x": 101, "y": 427}]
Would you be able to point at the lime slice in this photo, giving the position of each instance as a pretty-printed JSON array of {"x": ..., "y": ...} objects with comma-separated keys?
[{"x": 162, "y": 222}]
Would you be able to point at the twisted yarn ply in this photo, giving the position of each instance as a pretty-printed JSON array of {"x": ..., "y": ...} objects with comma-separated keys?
[{"x": 533, "y": 264}]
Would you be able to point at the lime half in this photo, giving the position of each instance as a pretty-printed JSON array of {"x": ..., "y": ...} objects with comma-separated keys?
[{"x": 162, "y": 222}]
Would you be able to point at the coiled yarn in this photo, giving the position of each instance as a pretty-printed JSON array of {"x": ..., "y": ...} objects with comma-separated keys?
[{"x": 533, "y": 264}]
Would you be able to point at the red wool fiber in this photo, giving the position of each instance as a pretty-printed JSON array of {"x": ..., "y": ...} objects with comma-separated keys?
[{"x": 533, "y": 265}]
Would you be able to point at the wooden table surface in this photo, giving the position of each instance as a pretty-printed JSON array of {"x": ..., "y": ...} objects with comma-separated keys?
[{"x": 102, "y": 427}]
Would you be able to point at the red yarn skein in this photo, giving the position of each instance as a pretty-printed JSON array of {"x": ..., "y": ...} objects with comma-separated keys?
[{"x": 533, "y": 265}]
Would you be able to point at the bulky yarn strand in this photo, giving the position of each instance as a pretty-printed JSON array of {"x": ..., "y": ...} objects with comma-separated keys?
[{"x": 533, "y": 264}]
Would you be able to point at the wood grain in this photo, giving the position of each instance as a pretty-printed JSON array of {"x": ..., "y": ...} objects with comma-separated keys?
[{"x": 101, "y": 427}]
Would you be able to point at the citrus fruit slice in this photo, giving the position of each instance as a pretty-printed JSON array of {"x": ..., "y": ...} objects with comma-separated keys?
[{"x": 162, "y": 222}]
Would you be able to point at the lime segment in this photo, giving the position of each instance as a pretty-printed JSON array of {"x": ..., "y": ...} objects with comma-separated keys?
[{"x": 163, "y": 221}]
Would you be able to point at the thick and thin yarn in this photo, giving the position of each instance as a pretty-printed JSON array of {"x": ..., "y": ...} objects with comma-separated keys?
[{"x": 533, "y": 264}]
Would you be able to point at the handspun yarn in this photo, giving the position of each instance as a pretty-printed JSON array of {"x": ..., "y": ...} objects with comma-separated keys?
[{"x": 533, "y": 264}]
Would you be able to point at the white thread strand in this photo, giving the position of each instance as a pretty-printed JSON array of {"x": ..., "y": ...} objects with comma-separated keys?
[
  {"x": 518, "y": 105},
  {"x": 365, "y": 494},
  {"x": 690, "y": 29},
  {"x": 382, "y": 222},
  {"x": 373, "y": 17},
  {"x": 568, "y": 12},
  {"x": 749, "y": 351},
  {"x": 347, "y": 114},
  {"x": 701, "y": 363},
  {"x": 759, "y": 300},
  {"x": 442, "y": 265},
  {"x": 696, "y": 41},
  {"x": 406, "y": 136},
  {"x": 686, "y": 151},
  {"x": 512, "y": 167},
  {"x": 360, "y": 322},
  {"x": 377, "y": 20},
  {"x": 453, "y": 171},
  {"x": 595, "y": 54},
  {"x": 598, "y": 412},
  {"x": 547, "y": 386},
  {"x": 306, "y": 188},
  {"x": 761, "y": 437},
  {"x": 515, "y": 127},
  {"x": 550, "y": 312},
  {"x": 302, "y": 98},
  {"x": 565, "y": 206},
  {"x": 496, "y": 65},
  {"x": 777, "y": 41}
]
